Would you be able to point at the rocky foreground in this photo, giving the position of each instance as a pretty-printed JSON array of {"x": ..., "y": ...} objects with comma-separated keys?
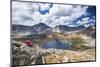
[{"x": 25, "y": 55}]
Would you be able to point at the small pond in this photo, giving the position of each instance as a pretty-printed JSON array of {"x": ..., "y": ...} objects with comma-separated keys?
[{"x": 57, "y": 44}]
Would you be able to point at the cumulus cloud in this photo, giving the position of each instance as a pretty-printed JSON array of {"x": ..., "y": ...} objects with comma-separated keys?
[
  {"x": 44, "y": 6},
  {"x": 61, "y": 10},
  {"x": 86, "y": 21},
  {"x": 66, "y": 14},
  {"x": 26, "y": 13}
]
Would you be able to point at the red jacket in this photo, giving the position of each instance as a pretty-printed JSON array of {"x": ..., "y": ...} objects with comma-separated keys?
[{"x": 28, "y": 42}]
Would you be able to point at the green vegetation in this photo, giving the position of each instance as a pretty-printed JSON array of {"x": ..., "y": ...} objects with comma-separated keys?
[{"x": 77, "y": 43}]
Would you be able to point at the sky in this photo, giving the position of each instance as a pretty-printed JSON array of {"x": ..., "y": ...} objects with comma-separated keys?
[{"x": 29, "y": 14}]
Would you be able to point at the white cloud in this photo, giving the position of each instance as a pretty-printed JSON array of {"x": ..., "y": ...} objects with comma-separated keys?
[
  {"x": 22, "y": 12},
  {"x": 44, "y": 6},
  {"x": 85, "y": 19},
  {"x": 66, "y": 13},
  {"x": 61, "y": 10},
  {"x": 78, "y": 12},
  {"x": 58, "y": 14},
  {"x": 81, "y": 22}
]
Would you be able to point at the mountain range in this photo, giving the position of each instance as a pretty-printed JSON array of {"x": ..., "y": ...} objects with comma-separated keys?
[
  {"x": 90, "y": 31},
  {"x": 38, "y": 28},
  {"x": 42, "y": 28},
  {"x": 64, "y": 28}
]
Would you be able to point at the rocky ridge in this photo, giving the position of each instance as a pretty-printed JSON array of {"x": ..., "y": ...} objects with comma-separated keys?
[{"x": 37, "y": 55}]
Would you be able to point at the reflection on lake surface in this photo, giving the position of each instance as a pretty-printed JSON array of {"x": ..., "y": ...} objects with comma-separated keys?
[{"x": 58, "y": 44}]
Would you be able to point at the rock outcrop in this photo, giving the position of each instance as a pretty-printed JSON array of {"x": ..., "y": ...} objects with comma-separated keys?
[{"x": 26, "y": 55}]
